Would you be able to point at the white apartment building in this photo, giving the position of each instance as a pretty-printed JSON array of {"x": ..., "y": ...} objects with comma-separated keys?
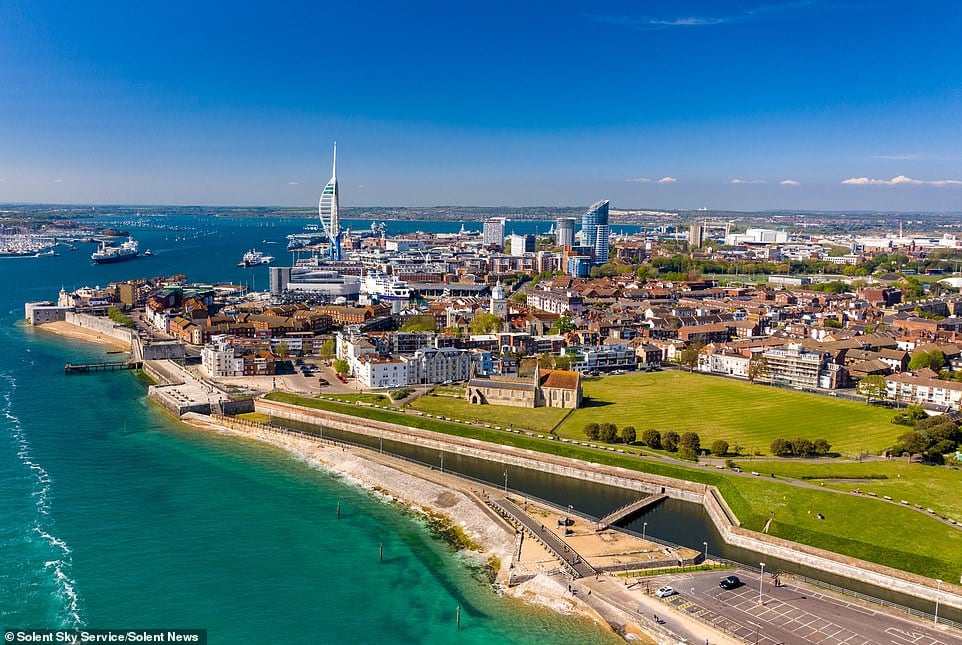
[{"x": 217, "y": 359}]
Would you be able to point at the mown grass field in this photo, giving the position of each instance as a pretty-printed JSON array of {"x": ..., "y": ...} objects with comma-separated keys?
[
  {"x": 932, "y": 487},
  {"x": 858, "y": 526},
  {"x": 751, "y": 416}
]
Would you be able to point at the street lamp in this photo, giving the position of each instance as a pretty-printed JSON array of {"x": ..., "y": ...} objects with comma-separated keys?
[
  {"x": 938, "y": 594},
  {"x": 761, "y": 579},
  {"x": 706, "y": 551},
  {"x": 441, "y": 455},
  {"x": 505, "y": 481},
  {"x": 644, "y": 526}
]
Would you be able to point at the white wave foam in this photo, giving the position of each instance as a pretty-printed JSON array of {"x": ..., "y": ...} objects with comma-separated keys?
[{"x": 66, "y": 586}]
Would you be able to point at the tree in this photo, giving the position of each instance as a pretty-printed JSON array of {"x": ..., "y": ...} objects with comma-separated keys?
[
  {"x": 341, "y": 366},
  {"x": 822, "y": 447},
  {"x": 282, "y": 349},
  {"x": 719, "y": 448},
  {"x": 872, "y": 387},
  {"x": 934, "y": 359},
  {"x": 485, "y": 323},
  {"x": 757, "y": 367},
  {"x": 802, "y": 447},
  {"x": 669, "y": 441},
  {"x": 628, "y": 435},
  {"x": 607, "y": 432},
  {"x": 651, "y": 438},
  {"x": 781, "y": 448},
  {"x": 689, "y": 356},
  {"x": 690, "y": 440},
  {"x": 913, "y": 442},
  {"x": 328, "y": 349},
  {"x": 564, "y": 325},
  {"x": 420, "y": 323},
  {"x": 562, "y": 363},
  {"x": 591, "y": 431}
]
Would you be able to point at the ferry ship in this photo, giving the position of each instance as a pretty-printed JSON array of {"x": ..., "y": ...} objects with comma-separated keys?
[
  {"x": 255, "y": 258},
  {"x": 385, "y": 287},
  {"x": 107, "y": 254}
]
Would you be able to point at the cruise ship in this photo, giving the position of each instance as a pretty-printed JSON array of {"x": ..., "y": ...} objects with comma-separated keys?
[
  {"x": 255, "y": 258},
  {"x": 385, "y": 287},
  {"x": 107, "y": 254}
]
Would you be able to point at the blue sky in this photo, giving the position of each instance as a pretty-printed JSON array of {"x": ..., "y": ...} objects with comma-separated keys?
[{"x": 742, "y": 105}]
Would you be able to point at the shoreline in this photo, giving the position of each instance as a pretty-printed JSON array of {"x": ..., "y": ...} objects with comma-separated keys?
[
  {"x": 67, "y": 330},
  {"x": 429, "y": 494}
]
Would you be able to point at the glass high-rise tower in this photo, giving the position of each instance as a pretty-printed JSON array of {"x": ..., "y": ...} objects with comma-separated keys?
[{"x": 595, "y": 230}]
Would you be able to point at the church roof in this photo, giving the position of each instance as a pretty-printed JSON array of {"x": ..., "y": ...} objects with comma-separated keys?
[{"x": 560, "y": 379}]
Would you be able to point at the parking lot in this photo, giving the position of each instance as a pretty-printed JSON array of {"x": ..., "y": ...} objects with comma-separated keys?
[{"x": 792, "y": 613}]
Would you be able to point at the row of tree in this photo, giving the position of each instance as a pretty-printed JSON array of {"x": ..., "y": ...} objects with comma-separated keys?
[
  {"x": 608, "y": 433},
  {"x": 932, "y": 437},
  {"x": 800, "y": 447}
]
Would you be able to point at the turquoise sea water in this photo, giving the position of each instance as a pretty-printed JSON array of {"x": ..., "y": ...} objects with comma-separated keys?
[{"x": 113, "y": 515}]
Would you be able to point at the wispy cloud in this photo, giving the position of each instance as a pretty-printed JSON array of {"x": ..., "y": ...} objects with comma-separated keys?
[
  {"x": 58, "y": 181},
  {"x": 916, "y": 156},
  {"x": 736, "y": 181},
  {"x": 790, "y": 182},
  {"x": 900, "y": 180},
  {"x": 293, "y": 183},
  {"x": 648, "y": 23},
  {"x": 646, "y": 180}
]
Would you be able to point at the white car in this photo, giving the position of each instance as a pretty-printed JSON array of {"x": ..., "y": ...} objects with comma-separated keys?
[{"x": 664, "y": 592}]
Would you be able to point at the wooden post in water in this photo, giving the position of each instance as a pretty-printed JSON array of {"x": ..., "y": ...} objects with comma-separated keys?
[
  {"x": 458, "y": 617},
  {"x": 339, "y": 510},
  {"x": 380, "y": 551}
]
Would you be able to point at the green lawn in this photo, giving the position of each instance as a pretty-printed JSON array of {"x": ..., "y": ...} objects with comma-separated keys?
[
  {"x": 927, "y": 486},
  {"x": 853, "y": 525},
  {"x": 741, "y": 413},
  {"x": 539, "y": 420}
]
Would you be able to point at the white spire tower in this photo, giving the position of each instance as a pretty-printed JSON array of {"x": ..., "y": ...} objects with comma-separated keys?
[{"x": 327, "y": 210}]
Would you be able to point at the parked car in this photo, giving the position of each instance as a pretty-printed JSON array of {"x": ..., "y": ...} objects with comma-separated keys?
[
  {"x": 664, "y": 592},
  {"x": 729, "y": 582}
]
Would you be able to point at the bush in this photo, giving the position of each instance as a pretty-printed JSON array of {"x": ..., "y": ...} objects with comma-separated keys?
[
  {"x": 628, "y": 434},
  {"x": 822, "y": 447},
  {"x": 719, "y": 448},
  {"x": 781, "y": 448},
  {"x": 591, "y": 431},
  {"x": 651, "y": 438},
  {"x": 690, "y": 440},
  {"x": 400, "y": 393},
  {"x": 670, "y": 441},
  {"x": 608, "y": 432}
]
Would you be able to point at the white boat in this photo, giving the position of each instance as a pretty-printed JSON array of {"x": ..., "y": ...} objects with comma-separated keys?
[
  {"x": 254, "y": 258},
  {"x": 385, "y": 287},
  {"x": 108, "y": 254}
]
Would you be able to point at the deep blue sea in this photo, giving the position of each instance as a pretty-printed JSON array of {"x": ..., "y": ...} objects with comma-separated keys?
[{"x": 114, "y": 515}]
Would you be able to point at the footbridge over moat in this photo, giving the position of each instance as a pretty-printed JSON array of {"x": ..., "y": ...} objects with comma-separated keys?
[{"x": 629, "y": 509}]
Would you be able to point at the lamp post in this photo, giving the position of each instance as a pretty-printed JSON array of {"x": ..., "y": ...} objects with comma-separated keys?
[
  {"x": 441, "y": 455},
  {"x": 505, "y": 481},
  {"x": 761, "y": 579},
  {"x": 706, "y": 551},
  {"x": 938, "y": 595},
  {"x": 644, "y": 527}
]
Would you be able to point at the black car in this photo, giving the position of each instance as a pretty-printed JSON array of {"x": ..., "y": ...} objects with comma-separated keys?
[{"x": 730, "y": 582}]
